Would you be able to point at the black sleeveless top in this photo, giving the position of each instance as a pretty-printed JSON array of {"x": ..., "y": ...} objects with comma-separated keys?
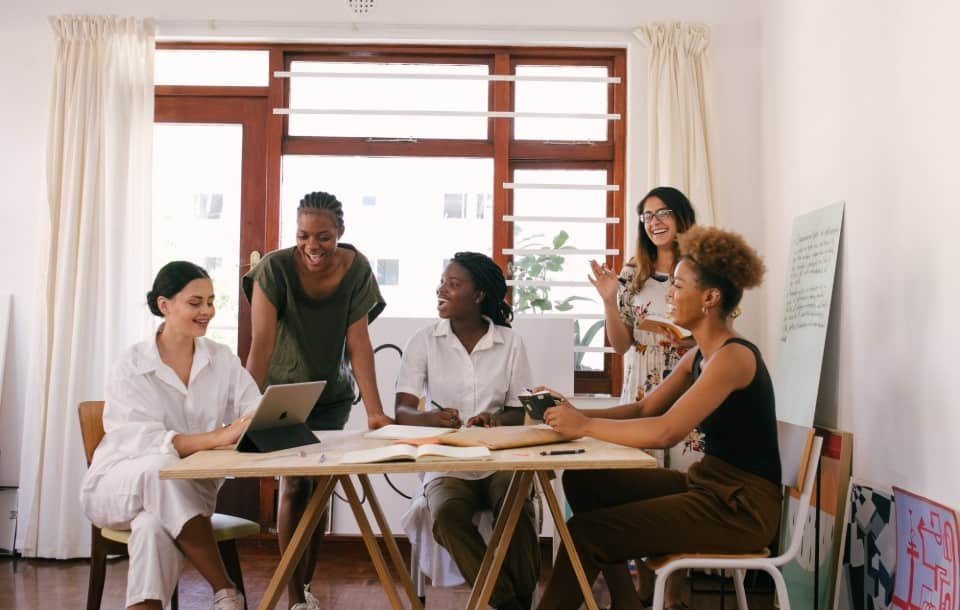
[{"x": 742, "y": 431}]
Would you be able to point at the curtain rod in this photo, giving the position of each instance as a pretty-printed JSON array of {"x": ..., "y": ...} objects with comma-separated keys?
[{"x": 215, "y": 25}]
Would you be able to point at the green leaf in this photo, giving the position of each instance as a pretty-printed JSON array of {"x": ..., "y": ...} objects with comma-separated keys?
[
  {"x": 542, "y": 304},
  {"x": 591, "y": 332},
  {"x": 560, "y": 239}
]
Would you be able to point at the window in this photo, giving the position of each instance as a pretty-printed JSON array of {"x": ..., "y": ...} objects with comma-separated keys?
[
  {"x": 515, "y": 152},
  {"x": 388, "y": 271},
  {"x": 455, "y": 205}
]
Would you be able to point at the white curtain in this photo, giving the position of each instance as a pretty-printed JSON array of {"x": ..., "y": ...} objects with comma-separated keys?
[
  {"x": 678, "y": 113},
  {"x": 97, "y": 261}
]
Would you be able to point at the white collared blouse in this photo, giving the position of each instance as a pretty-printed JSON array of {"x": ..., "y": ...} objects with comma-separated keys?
[
  {"x": 435, "y": 363},
  {"x": 147, "y": 404}
]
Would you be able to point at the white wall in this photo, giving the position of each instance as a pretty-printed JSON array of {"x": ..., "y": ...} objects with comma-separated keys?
[
  {"x": 26, "y": 45},
  {"x": 859, "y": 103}
]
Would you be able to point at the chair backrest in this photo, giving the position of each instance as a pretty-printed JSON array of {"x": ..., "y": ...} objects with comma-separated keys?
[
  {"x": 91, "y": 426},
  {"x": 795, "y": 444},
  {"x": 809, "y": 461}
]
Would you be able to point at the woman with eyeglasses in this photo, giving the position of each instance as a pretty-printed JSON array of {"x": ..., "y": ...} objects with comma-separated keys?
[{"x": 641, "y": 290}]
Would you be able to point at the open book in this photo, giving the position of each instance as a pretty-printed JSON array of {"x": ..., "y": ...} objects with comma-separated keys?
[
  {"x": 431, "y": 452},
  {"x": 400, "y": 432},
  {"x": 664, "y": 326}
]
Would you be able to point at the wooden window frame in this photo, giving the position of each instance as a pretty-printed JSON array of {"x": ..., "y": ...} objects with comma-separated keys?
[{"x": 508, "y": 154}]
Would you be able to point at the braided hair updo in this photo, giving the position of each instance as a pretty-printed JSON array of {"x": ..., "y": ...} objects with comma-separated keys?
[
  {"x": 171, "y": 279},
  {"x": 321, "y": 201},
  {"x": 488, "y": 278}
]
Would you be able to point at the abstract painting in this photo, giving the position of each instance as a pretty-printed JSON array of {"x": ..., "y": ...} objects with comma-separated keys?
[
  {"x": 810, "y": 576},
  {"x": 927, "y": 567},
  {"x": 869, "y": 550}
]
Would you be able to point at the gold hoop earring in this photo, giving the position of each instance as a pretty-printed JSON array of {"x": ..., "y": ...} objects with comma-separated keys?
[{"x": 704, "y": 310}]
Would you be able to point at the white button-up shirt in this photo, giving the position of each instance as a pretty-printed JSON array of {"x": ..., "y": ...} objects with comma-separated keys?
[
  {"x": 487, "y": 379},
  {"x": 147, "y": 404}
]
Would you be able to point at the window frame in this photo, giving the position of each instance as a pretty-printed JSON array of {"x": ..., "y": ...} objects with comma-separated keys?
[{"x": 507, "y": 153}]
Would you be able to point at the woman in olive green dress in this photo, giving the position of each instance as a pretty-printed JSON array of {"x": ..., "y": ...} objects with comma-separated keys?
[{"x": 310, "y": 307}]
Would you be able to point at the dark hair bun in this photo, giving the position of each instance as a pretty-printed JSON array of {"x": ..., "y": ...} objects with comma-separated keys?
[
  {"x": 170, "y": 280},
  {"x": 152, "y": 303}
]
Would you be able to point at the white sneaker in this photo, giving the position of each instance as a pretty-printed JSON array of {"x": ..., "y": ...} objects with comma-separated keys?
[
  {"x": 310, "y": 603},
  {"x": 228, "y": 599}
]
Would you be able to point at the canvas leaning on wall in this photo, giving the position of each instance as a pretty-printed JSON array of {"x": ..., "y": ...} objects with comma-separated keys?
[
  {"x": 927, "y": 565},
  {"x": 811, "y": 575},
  {"x": 865, "y": 576}
]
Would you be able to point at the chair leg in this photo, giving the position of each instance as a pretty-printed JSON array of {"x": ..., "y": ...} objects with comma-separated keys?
[
  {"x": 738, "y": 576},
  {"x": 231, "y": 561},
  {"x": 659, "y": 589},
  {"x": 175, "y": 599},
  {"x": 416, "y": 574},
  {"x": 98, "y": 570},
  {"x": 783, "y": 598}
]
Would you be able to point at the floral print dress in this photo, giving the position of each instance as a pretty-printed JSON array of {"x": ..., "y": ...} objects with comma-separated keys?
[{"x": 652, "y": 357}]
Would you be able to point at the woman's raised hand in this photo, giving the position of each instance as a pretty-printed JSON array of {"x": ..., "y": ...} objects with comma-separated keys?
[{"x": 604, "y": 280}]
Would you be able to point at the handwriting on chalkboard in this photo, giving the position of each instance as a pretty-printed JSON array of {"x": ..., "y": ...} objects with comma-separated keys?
[{"x": 810, "y": 284}]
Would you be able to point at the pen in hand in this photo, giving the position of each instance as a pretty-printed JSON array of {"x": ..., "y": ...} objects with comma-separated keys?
[
  {"x": 563, "y": 452},
  {"x": 454, "y": 414}
]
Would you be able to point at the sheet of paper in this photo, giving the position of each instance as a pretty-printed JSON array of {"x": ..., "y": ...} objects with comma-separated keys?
[{"x": 397, "y": 432}]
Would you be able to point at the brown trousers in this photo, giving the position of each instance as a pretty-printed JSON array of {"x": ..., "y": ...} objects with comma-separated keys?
[
  {"x": 629, "y": 514},
  {"x": 452, "y": 504}
]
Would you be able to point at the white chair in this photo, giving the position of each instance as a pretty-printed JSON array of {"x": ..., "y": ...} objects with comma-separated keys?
[
  {"x": 799, "y": 456},
  {"x": 428, "y": 557}
]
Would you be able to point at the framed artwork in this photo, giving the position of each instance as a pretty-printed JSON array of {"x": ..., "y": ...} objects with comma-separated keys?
[
  {"x": 868, "y": 559},
  {"x": 927, "y": 567},
  {"x": 812, "y": 574}
]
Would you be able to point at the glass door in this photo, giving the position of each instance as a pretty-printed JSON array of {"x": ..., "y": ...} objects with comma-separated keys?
[{"x": 209, "y": 198}]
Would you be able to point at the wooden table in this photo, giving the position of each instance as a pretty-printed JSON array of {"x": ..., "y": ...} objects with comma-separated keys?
[{"x": 323, "y": 462}]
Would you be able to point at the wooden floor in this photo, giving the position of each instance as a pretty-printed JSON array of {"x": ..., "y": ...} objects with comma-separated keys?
[{"x": 344, "y": 579}]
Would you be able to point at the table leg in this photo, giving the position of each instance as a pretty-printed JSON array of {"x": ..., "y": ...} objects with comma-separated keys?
[
  {"x": 390, "y": 543},
  {"x": 510, "y": 511},
  {"x": 561, "y": 526},
  {"x": 370, "y": 540},
  {"x": 298, "y": 543}
]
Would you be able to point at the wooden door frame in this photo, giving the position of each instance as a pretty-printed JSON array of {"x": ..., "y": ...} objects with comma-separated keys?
[{"x": 249, "y": 111}]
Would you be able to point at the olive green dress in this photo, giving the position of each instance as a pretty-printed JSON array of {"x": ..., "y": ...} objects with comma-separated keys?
[{"x": 311, "y": 338}]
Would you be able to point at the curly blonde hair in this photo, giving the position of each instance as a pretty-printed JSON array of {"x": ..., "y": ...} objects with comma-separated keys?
[{"x": 724, "y": 261}]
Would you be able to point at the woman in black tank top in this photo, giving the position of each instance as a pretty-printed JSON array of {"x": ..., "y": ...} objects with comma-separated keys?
[{"x": 729, "y": 502}]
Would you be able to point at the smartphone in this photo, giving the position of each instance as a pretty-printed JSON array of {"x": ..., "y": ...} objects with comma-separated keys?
[{"x": 537, "y": 403}]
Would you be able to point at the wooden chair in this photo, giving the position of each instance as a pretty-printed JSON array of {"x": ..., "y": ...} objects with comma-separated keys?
[
  {"x": 799, "y": 456},
  {"x": 226, "y": 528}
]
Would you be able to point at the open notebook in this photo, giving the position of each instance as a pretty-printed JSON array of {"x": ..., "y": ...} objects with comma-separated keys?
[
  {"x": 400, "y": 432},
  {"x": 401, "y": 452}
]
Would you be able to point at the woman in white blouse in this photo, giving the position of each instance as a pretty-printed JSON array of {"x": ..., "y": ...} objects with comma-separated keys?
[
  {"x": 472, "y": 366},
  {"x": 168, "y": 397}
]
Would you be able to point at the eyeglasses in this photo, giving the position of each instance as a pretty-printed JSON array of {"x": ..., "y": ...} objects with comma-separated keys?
[{"x": 662, "y": 215}]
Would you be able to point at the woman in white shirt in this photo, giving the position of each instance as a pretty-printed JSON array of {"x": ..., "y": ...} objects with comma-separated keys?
[
  {"x": 168, "y": 397},
  {"x": 472, "y": 366}
]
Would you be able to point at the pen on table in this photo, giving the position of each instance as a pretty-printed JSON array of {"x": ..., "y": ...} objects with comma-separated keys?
[
  {"x": 439, "y": 406},
  {"x": 563, "y": 452}
]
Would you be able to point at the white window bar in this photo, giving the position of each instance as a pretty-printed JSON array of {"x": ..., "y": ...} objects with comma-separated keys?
[
  {"x": 546, "y": 283},
  {"x": 566, "y": 251},
  {"x": 561, "y": 316},
  {"x": 561, "y": 187},
  {"x": 610, "y": 220},
  {"x": 478, "y": 113},
  {"x": 613, "y": 80},
  {"x": 587, "y": 348}
]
